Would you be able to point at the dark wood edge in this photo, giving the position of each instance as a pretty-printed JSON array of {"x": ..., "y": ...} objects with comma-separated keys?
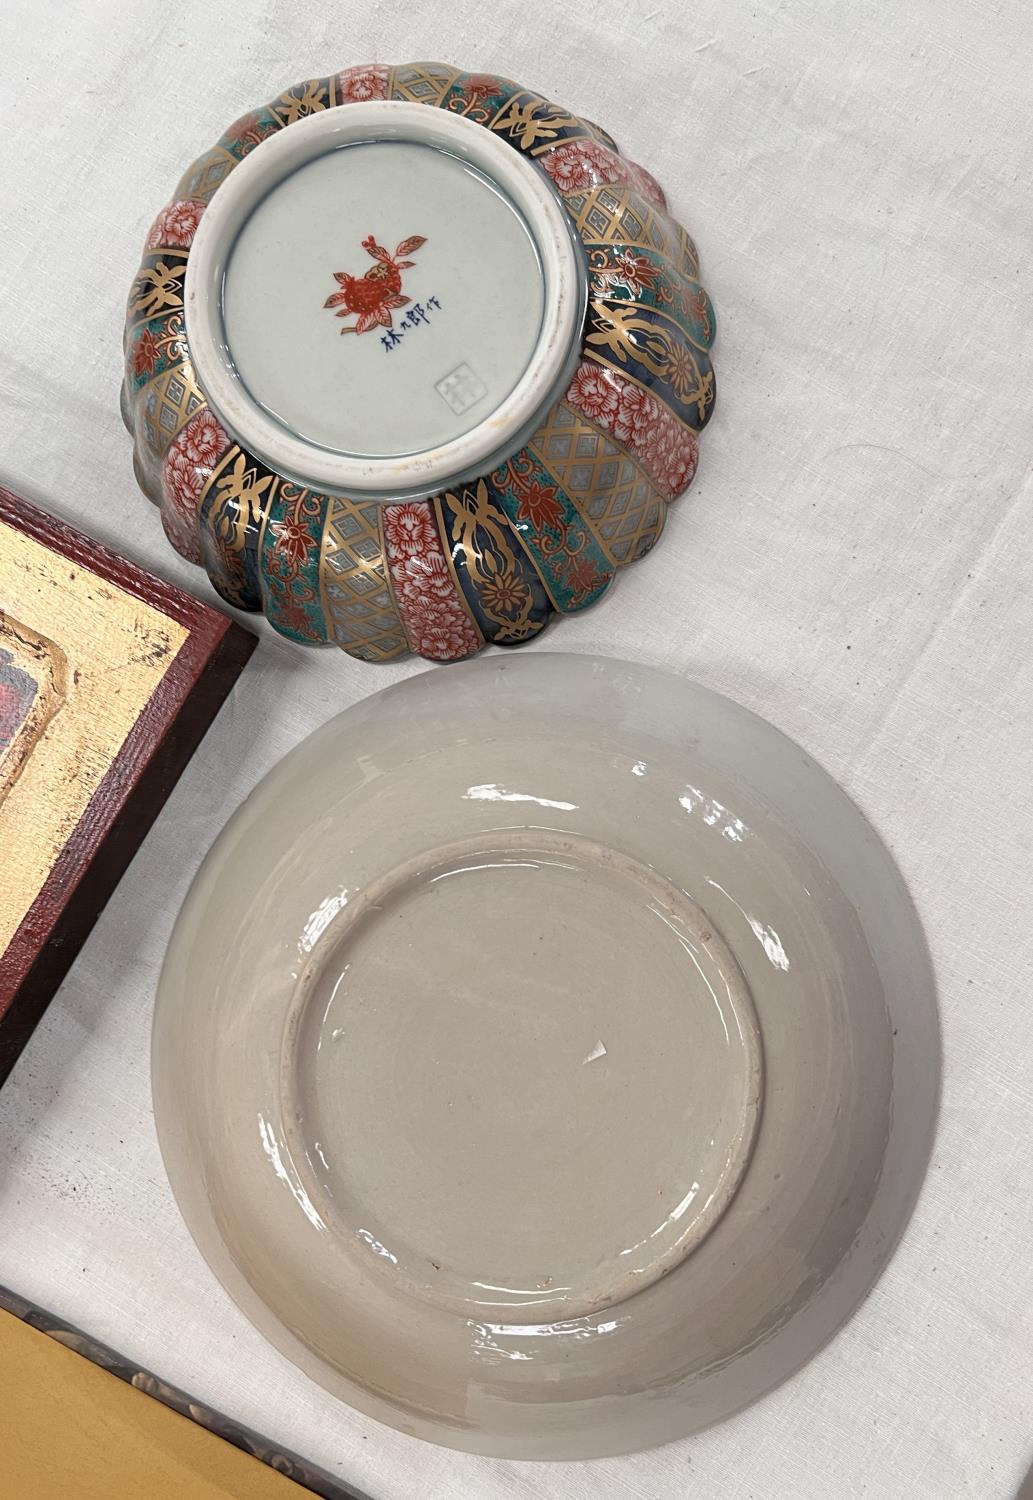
[
  {"x": 86, "y": 552},
  {"x": 137, "y": 783},
  {"x": 311, "y": 1476}
]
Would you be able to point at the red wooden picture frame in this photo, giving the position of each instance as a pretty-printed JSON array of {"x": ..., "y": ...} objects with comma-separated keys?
[{"x": 133, "y": 788}]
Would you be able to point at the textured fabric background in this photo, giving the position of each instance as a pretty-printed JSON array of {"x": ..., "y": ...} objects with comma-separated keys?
[{"x": 854, "y": 562}]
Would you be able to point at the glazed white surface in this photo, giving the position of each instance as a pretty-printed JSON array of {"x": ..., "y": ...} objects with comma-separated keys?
[
  {"x": 369, "y": 1056},
  {"x": 852, "y": 562},
  {"x": 539, "y": 296},
  {"x": 357, "y": 394}
]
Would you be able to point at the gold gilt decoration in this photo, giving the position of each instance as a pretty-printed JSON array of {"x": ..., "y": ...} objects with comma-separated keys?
[
  {"x": 242, "y": 496},
  {"x": 631, "y": 334},
  {"x": 423, "y": 83},
  {"x": 158, "y": 287},
  {"x": 356, "y": 597},
  {"x": 533, "y": 124},
  {"x": 543, "y": 531},
  {"x": 503, "y": 594},
  {"x": 203, "y": 176},
  {"x": 234, "y": 506},
  {"x": 165, "y": 405},
  {"x": 616, "y": 215},
  {"x": 643, "y": 278},
  {"x": 307, "y": 98},
  {"x": 616, "y": 498}
]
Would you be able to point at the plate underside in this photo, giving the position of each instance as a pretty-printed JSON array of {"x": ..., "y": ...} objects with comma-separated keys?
[{"x": 546, "y": 1057}]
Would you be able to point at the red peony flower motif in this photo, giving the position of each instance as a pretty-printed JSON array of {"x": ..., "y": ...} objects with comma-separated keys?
[
  {"x": 427, "y": 582},
  {"x": 684, "y": 450},
  {"x": 180, "y": 488},
  {"x": 592, "y": 392},
  {"x": 637, "y": 416},
  {"x": 293, "y": 540},
  {"x": 176, "y": 225},
  {"x": 203, "y": 440},
  {"x": 179, "y": 480},
  {"x": 645, "y": 183},
  {"x": 366, "y": 82},
  {"x": 539, "y": 507},
  {"x": 188, "y": 464},
  {"x": 681, "y": 466},
  {"x": 665, "y": 447},
  {"x": 410, "y": 529},
  {"x": 577, "y": 165},
  {"x": 182, "y": 534},
  {"x": 435, "y": 621},
  {"x": 573, "y": 169},
  {"x": 146, "y": 354},
  {"x": 446, "y": 644},
  {"x": 434, "y": 574}
]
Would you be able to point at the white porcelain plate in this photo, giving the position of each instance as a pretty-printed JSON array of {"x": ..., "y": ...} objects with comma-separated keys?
[{"x": 546, "y": 1056}]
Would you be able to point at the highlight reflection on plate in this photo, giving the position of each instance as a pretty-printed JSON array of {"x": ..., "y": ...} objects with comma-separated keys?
[{"x": 535, "y": 1044}]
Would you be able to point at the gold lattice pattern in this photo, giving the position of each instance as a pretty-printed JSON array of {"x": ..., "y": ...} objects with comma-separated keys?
[
  {"x": 606, "y": 214},
  {"x": 423, "y": 83},
  {"x": 166, "y": 405},
  {"x": 614, "y": 495},
  {"x": 356, "y": 596},
  {"x": 208, "y": 172}
]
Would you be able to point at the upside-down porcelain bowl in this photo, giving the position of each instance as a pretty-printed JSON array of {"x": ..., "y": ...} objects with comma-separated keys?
[
  {"x": 410, "y": 378},
  {"x": 546, "y": 1057}
]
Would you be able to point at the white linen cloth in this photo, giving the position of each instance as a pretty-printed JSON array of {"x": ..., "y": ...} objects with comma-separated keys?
[{"x": 853, "y": 562}]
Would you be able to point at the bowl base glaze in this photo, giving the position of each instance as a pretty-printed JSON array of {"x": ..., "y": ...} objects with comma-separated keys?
[
  {"x": 582, "y": 1103},
  {"x": 385, "y": 300},
  {"x": 418, "y": 255}
]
